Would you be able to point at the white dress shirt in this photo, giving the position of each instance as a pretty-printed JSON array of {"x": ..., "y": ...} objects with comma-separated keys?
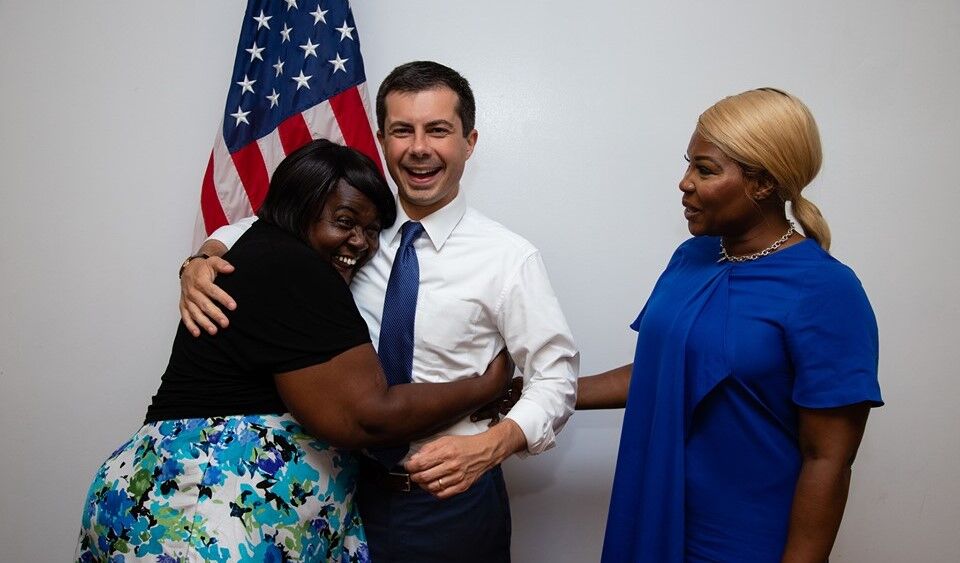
[{"x": 481, "y": 287}]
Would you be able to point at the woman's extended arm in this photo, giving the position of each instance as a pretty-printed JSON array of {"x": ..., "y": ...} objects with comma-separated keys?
[
  {"x": 607, "y": 390},
  {"x": 829, "y": 439},
  {"x": 347, "y": 401}
]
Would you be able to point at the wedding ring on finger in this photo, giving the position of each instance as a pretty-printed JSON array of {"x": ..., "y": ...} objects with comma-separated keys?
[{"x": 440, "y": 482}]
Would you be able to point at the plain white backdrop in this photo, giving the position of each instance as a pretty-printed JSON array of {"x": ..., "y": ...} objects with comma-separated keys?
[{"x": 108, "y": 111}]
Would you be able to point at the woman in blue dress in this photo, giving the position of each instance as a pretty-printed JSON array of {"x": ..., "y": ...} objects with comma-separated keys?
[{"x": 756, "y": 360}]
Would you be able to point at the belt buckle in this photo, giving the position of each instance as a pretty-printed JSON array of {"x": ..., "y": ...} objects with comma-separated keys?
[{"x": 403, "y": 479}]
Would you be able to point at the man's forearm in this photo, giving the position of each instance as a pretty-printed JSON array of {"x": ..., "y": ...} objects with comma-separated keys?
[
  {"x": 228, "y": 235},
  {"x": 540, "y": 341},
  {"x": 505, "y": 439},
  {"x": 212, "y": 247}
]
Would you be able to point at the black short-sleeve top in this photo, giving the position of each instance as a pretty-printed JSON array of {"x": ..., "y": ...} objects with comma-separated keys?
[{"x": 293, "y": 310}]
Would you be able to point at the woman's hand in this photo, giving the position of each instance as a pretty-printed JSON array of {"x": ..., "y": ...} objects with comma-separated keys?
[
  {"x": 199, "y": 295},
  {"x": 497, "y": 378},
  {"x": 501, "y": 405}
]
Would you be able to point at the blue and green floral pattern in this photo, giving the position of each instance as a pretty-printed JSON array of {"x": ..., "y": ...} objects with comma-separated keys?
[{"x": 236, "y": 488}]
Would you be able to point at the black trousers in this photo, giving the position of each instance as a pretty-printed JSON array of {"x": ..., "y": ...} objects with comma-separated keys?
[{"x": 416, "y": 527}]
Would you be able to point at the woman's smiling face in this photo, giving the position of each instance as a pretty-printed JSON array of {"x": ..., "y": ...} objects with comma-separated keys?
[
  {"x": 348, "y": 230},
  {"x": 716, "y": 195}
]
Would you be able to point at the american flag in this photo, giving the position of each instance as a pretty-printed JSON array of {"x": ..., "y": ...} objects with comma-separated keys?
[{"x": 298, "y": 76}]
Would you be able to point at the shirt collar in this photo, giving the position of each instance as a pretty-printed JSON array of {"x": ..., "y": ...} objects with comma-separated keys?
[{"x": 438, "y": 224}]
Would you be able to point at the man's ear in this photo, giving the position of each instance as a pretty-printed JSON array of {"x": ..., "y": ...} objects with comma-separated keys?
[
  {"x": 380, "y": 137},
  {"x": 471, "y": 142}
]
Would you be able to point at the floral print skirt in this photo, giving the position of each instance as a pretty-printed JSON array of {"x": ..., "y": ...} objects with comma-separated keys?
[{"x": 234, "y": 488}]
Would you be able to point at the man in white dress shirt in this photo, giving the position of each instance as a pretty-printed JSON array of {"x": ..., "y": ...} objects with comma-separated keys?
[{"x": 482, "y": 287}]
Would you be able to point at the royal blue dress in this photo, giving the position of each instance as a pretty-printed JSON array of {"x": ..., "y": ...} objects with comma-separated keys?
[{"x": 726, "y": 353}]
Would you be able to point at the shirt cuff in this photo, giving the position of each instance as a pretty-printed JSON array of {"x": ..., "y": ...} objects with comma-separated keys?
[
  {"x": 229, "y": 234},
  {"x": 535, "y": 424}
]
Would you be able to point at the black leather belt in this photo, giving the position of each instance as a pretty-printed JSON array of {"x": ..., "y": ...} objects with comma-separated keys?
[{"x": 396, "y": 480}]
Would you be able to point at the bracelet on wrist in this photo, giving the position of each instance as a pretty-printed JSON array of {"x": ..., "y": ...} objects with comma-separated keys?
[{"x": 183, "y": 266}]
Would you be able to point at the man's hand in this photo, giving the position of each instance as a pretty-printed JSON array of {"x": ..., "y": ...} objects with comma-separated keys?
[
  {"x": 501, "y": 405},
  {"x": 198, "y": 293},
  {"x": 450, "y": 465}
]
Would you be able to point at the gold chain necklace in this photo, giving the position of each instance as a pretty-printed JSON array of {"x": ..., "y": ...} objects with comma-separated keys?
[{"x": 759, "y": 254}]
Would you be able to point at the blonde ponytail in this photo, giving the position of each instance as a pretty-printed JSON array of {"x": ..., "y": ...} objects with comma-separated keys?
[{"x": 812, "y": 221}]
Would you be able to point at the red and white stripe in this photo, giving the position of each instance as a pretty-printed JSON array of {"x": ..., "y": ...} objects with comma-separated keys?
[{"x": 235, "y": 185}]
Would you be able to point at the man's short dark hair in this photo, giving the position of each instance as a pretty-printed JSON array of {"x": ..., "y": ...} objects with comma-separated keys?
[
  {"x": 418, "y": 76},
  {"x": 301, "y": 183}
]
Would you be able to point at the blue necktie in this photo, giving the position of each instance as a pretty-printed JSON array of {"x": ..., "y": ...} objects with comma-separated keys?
[{"x": 396, "y": 325}]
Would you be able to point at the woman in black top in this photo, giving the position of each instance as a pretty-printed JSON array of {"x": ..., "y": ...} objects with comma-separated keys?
[{"x": 239, "y": 457}]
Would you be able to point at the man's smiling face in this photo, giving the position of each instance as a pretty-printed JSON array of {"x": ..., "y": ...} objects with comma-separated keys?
[{"x": 425, "y": 148}]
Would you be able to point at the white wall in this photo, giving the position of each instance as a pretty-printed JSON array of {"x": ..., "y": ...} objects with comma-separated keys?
[{"x": 108, "y": 110}]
